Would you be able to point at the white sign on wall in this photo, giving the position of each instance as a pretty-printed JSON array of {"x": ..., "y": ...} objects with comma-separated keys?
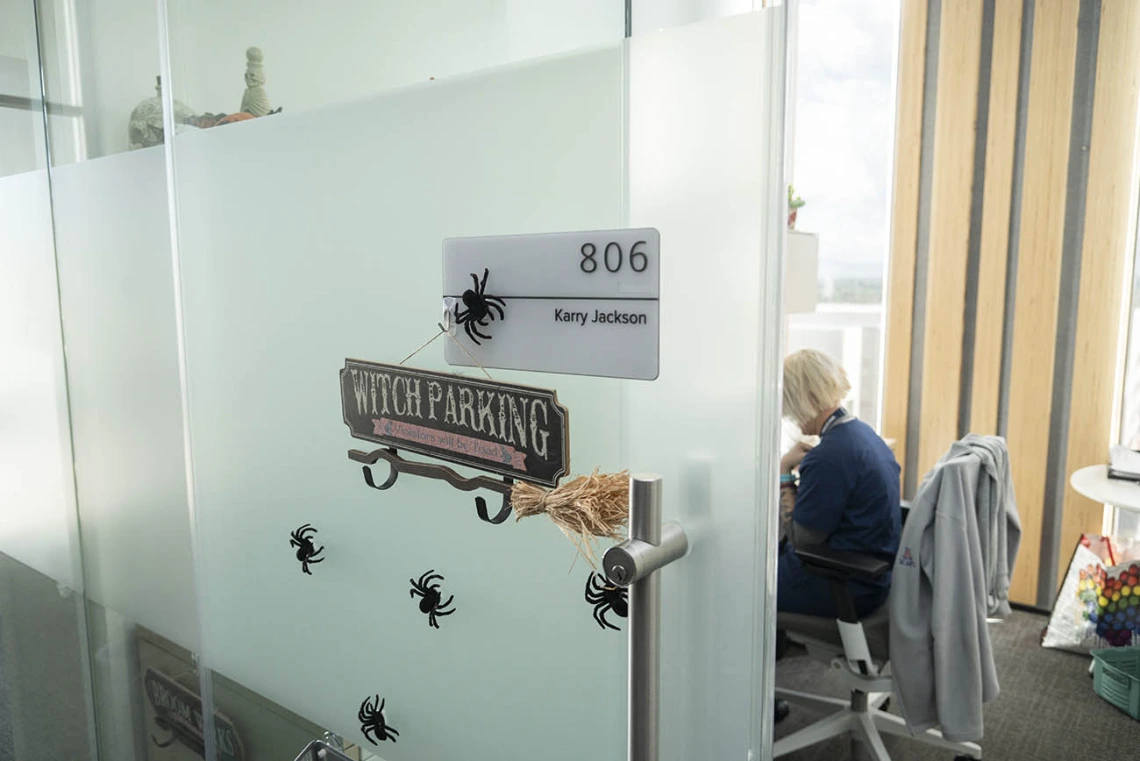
[{"x": 581, "y": 303}]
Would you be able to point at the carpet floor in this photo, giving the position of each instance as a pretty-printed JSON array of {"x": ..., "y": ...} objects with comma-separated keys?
[{"x": 1046, "y": 710}]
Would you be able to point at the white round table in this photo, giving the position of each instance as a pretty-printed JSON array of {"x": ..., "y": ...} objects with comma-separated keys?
[{"x": 1094, "y": 483}]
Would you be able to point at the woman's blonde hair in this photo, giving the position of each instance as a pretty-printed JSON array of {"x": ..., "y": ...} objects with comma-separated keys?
[{"x": 813, "y": 384}]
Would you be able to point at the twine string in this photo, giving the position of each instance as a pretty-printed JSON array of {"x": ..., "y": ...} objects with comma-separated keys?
[{"x": 444, "y": 331}]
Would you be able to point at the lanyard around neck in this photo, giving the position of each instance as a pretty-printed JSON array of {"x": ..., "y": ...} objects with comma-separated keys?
[{"x": 840, "y": 415}]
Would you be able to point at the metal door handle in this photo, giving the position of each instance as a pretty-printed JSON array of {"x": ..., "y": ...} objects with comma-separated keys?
[{"x": 634, "y": 563}]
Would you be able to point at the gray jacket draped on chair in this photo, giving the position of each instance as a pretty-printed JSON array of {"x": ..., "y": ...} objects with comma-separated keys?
[{"x": 952, "y": 571}]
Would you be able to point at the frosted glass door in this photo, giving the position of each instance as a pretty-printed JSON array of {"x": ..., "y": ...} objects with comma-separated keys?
[{"x": 306, "y": 238}]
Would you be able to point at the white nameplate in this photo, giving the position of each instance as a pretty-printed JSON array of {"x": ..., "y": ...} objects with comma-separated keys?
[{"x": 582, "y": 303}]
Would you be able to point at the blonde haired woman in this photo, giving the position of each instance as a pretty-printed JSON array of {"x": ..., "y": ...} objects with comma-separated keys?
[{"x": 842, "y": 493}]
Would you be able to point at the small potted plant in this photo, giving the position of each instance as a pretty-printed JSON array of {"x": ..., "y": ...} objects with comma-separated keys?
[{"x": 794, "y": 205}]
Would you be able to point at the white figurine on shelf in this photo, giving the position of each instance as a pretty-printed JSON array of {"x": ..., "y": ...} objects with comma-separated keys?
[{"x": 255, "y": 101}]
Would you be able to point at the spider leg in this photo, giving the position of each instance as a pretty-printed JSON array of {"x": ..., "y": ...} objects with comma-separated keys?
[
  {"x": 380, "y": 709},
  {"x": 593, "y": 588},
  {"x": 391, "y": 730},
  {"x": 305, "y": 567},
  {"x": 365, "y": 730},
  {"x": 431, "y": 620},
  {"x": 462, "y": 316},
  {"x": 470, "y": 334},
  {"x": 317, "y": 552},
  {"x": 428, "y": 581},
  {"x": 316, "y": 560},
  {"x": 294, "y": 543},
  {"x": 592, "y": 595},
  {"x": 483, "y": 286},
  {"x": 471, "y": 328},
  {"x": 493, "y": 306},
  {"x": 444, "y": 604},
  {"x": 598, "y": 617},
  {"x": 605, "y": 621},
  {"x": 423, "y": 582}
]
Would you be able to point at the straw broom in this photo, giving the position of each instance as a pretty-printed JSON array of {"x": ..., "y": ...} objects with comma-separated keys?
[{"x": 589, "y": 507}]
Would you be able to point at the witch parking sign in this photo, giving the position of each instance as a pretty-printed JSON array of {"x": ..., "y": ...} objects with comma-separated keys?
[{"x": 513, "y": 430}]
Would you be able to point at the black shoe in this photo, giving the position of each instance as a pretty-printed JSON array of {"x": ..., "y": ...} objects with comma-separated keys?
[{"x": 782, "y": 710}]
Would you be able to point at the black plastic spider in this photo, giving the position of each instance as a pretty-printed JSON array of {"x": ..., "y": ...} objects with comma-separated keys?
[
  {"x": 430, "y": 592},
  {"x": 606, "y": 597},
  {"x": 306, "y": 552},
  {"x": 371, "y": 717},
  {"x": 480, "y": 308}
]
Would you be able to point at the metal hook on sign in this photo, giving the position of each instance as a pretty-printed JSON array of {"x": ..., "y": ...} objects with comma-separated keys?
[
  {"x": 393, "y": 472},
  {"x": 398, "y": 464},
  {"x": 504, "y": 512}
]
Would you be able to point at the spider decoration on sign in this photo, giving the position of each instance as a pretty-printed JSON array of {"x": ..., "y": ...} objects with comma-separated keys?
[
  {"x": 481, "y": 308},
  {"x": 606, "y": 597},
  {"x": 306, "y": 551},
  {"x": 430, "y": 604},
  {"x": 371, "y": 716}
]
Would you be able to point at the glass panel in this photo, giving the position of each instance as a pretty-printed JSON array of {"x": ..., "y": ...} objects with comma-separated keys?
[
  {"x": 705, "y": 143},
  {"x": 43, "y": 663},
  {"x": 116, "y": 293},
  {"x": 289, "y": 267},
  {"x": 21, "y": 112},
  {"x": 316, "y": 236}
]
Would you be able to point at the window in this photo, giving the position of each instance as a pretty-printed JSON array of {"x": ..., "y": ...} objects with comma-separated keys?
[
  {"x": 1128, "y": 521},
  {"x": 842, "y": 148}
]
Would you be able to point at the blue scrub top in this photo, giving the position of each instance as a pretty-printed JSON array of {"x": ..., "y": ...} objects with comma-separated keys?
[{"x": 848, "y": 490}]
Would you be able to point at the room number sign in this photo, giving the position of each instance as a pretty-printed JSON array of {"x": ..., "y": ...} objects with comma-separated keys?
[{"x": 582, "y": 303}]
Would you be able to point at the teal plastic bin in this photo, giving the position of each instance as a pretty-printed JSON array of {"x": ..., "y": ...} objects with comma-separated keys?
[{"x": 1116, "y": 678}]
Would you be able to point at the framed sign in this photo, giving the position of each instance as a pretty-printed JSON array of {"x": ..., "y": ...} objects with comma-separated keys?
[
  {"x": 581, "y": 303},
  {"x": 178, "y": 712},
  {"x": 516, "y": 431}
]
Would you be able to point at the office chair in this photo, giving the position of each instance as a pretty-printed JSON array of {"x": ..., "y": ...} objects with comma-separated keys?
[{"x": 859, "y": 650}]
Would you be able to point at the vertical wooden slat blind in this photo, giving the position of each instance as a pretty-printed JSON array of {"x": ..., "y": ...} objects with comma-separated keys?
[
  {"x": 952, "y": 177},
  {"x": 1005, "y": 69},
  {"x": 904, "y": 220},
  {"x": 1039, "y": 273},
  {"x": 1057, "y": 412},
  {"x": 1106, "y": 230}
]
